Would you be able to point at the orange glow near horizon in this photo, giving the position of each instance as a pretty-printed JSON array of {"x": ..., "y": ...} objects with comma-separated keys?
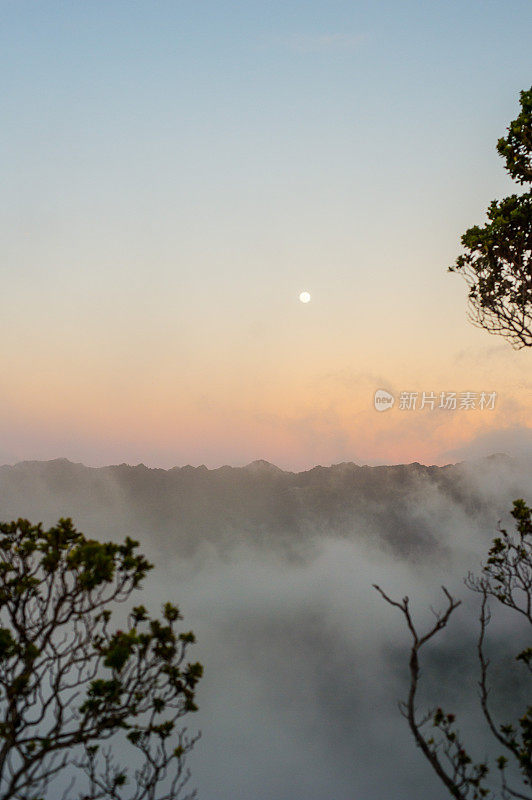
[
  {"x": 239, "y": 411},
  {"x": 164, "y": 211}
]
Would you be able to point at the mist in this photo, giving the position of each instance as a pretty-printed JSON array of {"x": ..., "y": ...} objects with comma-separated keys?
[{"x": 304, "y": 662}]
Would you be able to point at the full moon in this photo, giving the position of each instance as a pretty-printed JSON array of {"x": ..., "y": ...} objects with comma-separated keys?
[{"x": 304, "y": 297}]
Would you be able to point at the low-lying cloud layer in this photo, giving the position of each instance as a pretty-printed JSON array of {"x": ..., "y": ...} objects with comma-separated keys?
[{"x": 273, "y": 571}]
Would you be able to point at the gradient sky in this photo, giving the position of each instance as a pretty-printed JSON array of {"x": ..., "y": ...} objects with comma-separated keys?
[{"x": 174, "y": 174}]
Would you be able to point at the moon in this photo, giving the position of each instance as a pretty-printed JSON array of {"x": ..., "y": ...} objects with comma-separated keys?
[{"x": 304, "y": 297}]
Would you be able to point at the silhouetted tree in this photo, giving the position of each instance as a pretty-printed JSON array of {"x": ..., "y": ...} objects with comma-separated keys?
[
  {"x": 497, "y": 264},
  {"x": 498, "y": 269},
  {"x": 68, "y": 683},
  {"x": 506, "y": 578}
]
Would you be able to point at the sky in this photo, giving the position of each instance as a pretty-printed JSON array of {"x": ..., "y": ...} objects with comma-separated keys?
[{"x": 175, "y": 174}]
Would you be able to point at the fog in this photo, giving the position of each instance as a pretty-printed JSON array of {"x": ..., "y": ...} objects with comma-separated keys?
[{"x": 304, "y": 661}]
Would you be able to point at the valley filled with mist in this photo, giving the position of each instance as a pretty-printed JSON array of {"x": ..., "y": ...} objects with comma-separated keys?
[{"x": 273, "y": 571}]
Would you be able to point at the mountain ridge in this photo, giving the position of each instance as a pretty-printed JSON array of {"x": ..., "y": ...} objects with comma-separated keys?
[
  {"x": 182, "y": 509},
  {"x": 257, "y": 464}
]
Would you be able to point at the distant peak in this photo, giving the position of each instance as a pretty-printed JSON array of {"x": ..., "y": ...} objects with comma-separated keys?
[
  {"x": 50, "y": 462},
  {"x": 262, "y": 465}
]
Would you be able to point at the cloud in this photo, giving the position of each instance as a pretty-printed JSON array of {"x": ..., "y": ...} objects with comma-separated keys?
[
  {"x": 8, "y": 457},
  {"x": 304, "y": 663},
  {"x": 513, "y": 441},
  {"x": 474, "y": 354}
]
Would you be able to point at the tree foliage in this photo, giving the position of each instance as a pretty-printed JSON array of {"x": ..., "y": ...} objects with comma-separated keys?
[
  {"x": 507, "y": 579},
  {"x": 497, "y": 264},
  {"x": 516, "y": 147},
  {"x": 69, "y": 684}
]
